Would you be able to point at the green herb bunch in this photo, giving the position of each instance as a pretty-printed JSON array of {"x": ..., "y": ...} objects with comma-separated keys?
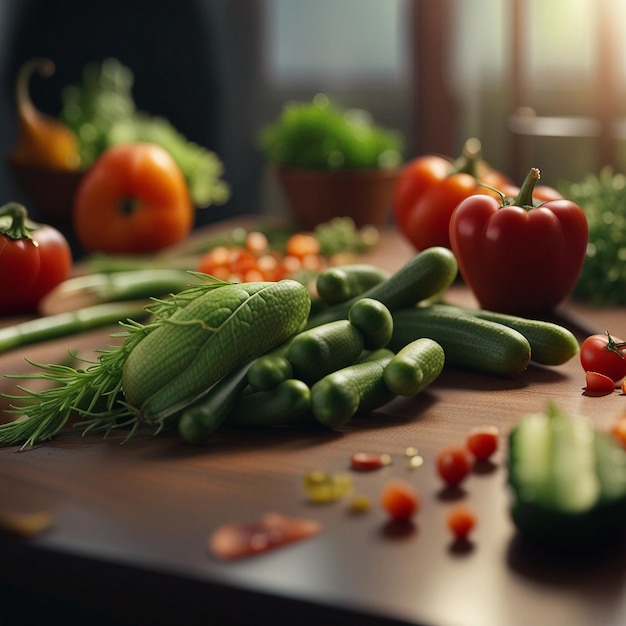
[
  {"x": 102, "y": 112},
  {"x": 602, "y": 281},
  {"x": 320, "y": 135}
]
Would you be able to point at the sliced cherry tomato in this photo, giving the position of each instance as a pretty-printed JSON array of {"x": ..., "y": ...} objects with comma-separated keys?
[
  {"x": 133, "y": 199},
  {"x": 34, "y": 258},
  {"x": 483, "y": 441},
  {"x": 604, "y": 354},
  {"x": 400, "y": 500},
  {"x": 599, "y": 384},
  {"x": 453, "y": 465},
  {"x": 461, "y": 520}
]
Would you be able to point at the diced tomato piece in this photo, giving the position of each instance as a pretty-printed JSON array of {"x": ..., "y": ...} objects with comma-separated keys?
[
  {"x": 302, "y": 244},
  {"x": 400, "y": 500},
  {"x": 365, "y": 461}
]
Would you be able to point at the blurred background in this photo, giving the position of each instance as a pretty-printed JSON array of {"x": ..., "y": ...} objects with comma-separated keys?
[{"x": 539, "y": 82}]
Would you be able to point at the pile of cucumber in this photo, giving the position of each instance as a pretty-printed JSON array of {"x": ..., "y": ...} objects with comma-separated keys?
[{"x": 373, "y": 337}]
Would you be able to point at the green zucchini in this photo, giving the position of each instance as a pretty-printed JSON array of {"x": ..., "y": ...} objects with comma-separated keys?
[
  {"x": 550, "y": 344},
  {"x": 414, "y": 367},
  {"x": 315, "y": 352},
  {"x": 344, "y": 282},
  {"x": 468, "y": 342},
  {"x": 424, "y": 276},
  {"x": 211, "y": 336},
  {"x": 568, "y": 480},
  {"x": 358, "y": 388}
]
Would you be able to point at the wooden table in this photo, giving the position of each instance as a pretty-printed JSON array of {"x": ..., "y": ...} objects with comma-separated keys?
[{"x": 132, "y": 521}]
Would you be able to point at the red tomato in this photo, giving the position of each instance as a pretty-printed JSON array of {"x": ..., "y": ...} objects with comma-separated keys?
[
  {"x": 482, "y": 442},
  {"x": 519, "y": 258},
  {"x": 34, "y": 258},
  {"x": 400, "y": 500},
  {"x": 430, "y": 187},
  {"x": 453, "y": 465},
  {"x": 604, "y": 354},
  {"x": 598, "y": 384},
  {"x": 461, "y": 521},
  {"x": 133, "y": 199}
]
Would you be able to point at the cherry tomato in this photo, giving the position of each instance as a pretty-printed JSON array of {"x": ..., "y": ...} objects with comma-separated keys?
[
  {"x": 133, "y": 199},
  {"x": 461, "y": 520},
  {"x": 453, "y": 465},
  {"x": 34, "y": 258},
  {"x": 598, "y": 384},
  {"x": 482, "y": 442},
  {"x": 603, "y": 354},
  {"x": 400, "y": 500}
]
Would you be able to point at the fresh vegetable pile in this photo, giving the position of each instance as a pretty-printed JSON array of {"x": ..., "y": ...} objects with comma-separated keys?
[{"x": 253, "y": 354}]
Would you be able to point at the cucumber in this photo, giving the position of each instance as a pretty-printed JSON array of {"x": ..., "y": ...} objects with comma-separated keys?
[
  {"x": 550, "y": 344},
  {"x": 318, "y": 351},
  {"x": 414, "y": 367},
  {"x": 374, "y": 320},
  {"x": 344, "y": 282},
  {"x": 268, "y": 371},
  {"x": 467, "y": 341},
  {"x": 568, "y": 480},
  {"x": 288, "y": 402},
  {"x": 425, "y": 275},
  {"x": 201, "y": 419},
  {"x": 358, "y": 388}
]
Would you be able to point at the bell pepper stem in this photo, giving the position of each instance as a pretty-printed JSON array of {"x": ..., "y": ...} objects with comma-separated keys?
[
  {"x": 17, "y": 228},
  {"x": 524, "y": 198}
]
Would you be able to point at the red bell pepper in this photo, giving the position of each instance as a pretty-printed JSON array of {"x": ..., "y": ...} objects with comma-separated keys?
[
  {"x": 430, "y": 187},
  {"x": 518, "y": 256}
]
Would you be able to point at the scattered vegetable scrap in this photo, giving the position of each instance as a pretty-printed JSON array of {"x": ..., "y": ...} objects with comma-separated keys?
[
  {"x": 366, "y": 461},
  {"x": 618, "y": 430},
  {"x": 598, "y": 384},
  {"x": 323, "y": 487},
  {"x": 25, "y": 524},
  {"x": 483, "y": 441},
  {"x": 400, "y": 500},
  {"x": 453, "y": 465},
  {"x": 273, "y": 530},
  {"x": 461, "y": 520}
]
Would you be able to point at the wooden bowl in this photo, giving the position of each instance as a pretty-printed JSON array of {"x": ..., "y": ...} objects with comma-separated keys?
[{"x": 49, "y": 192}]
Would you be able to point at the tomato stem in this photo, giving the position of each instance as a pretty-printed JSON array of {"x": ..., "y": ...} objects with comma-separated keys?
[
  {"x": 524, "y": 198},
  {"x": 469, "y": 160},
  {"x": 615, "y": 346},
  {"x": 16, "y": 227}
]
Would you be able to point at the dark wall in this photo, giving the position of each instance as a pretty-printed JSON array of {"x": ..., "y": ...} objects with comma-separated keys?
[{"x": 196, "y": 62}]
